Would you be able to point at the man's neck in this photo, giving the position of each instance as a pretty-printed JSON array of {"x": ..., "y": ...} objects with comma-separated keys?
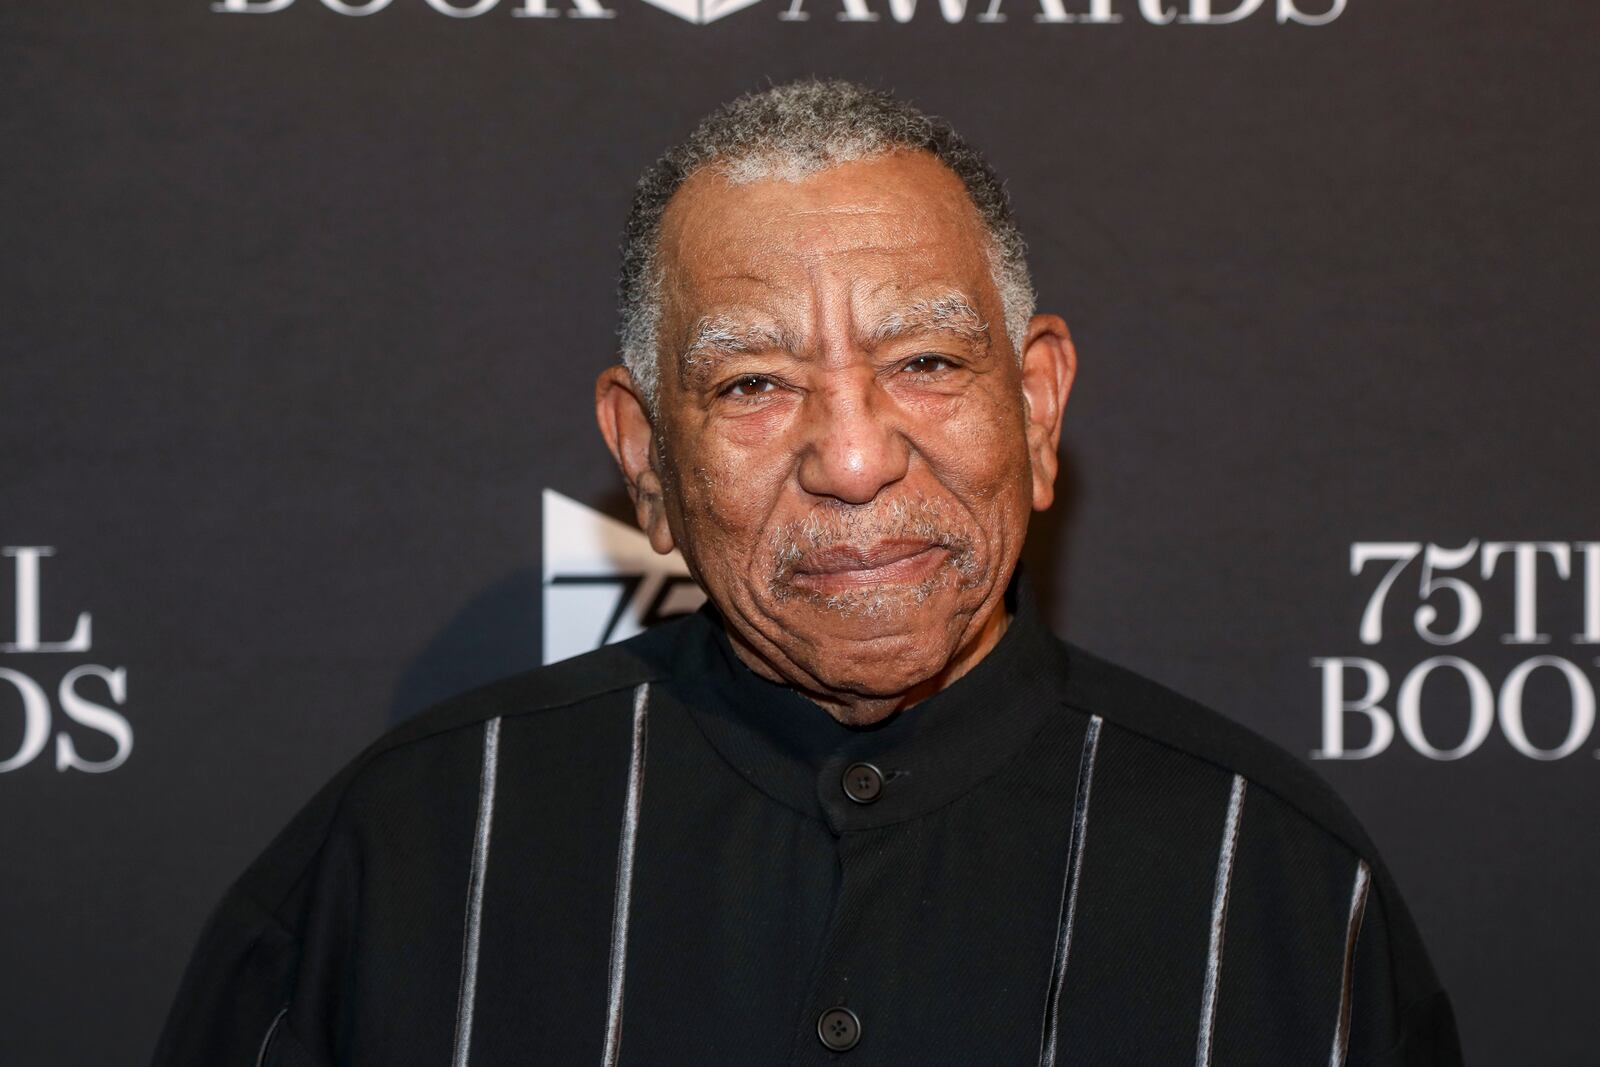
[{"x": 853, "y": 709}]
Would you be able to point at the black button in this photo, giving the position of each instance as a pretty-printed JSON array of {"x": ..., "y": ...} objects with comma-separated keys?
[
  {"x": 839, "y": 1028},
  {"x": 863, "y": 783}
]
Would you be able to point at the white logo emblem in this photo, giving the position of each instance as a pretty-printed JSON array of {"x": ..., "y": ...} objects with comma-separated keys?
[
  {"x": 701, "y": 12},
  {"x": 602, "y": 580}
]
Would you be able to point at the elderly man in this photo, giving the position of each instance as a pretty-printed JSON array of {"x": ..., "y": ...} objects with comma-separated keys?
[{"x": 864, "y": 806}]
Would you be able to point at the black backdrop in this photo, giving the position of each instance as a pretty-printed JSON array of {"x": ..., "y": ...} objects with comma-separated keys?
[{"x": 302, "y": 312}]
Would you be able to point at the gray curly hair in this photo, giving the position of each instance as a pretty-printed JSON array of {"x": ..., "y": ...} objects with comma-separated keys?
[{"x": 789, "y": 132}]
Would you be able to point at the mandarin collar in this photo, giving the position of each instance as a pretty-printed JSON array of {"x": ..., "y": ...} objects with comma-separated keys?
[{"x": 927, "y": 755}]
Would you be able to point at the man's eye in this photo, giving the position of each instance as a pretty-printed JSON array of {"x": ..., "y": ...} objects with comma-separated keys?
[
  {"x": 750, "y": 385},
  {"x": 928, "y": 363}
]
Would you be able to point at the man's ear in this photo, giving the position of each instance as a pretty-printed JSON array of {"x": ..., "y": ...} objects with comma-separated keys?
[
  {"x": 1049, "y": 364},
  {"x": 625, "y": 424}
]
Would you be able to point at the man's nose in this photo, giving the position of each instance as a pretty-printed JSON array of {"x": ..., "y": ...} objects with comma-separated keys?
[{"x": 855, "y": 446}]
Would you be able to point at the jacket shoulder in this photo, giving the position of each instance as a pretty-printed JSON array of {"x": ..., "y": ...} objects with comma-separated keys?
[
  {"x": 1158, "y": 715},
  {"x": 245, "y": 965},
  {"x": 1145, "y": 707},
  {"x": 645, "y": 658},
  {"x": 387, "y": 773}
]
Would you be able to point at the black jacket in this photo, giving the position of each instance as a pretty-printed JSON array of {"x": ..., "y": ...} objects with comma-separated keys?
[{"x": 649, "y": 855}]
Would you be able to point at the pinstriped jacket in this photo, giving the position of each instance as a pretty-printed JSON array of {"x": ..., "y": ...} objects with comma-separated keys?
[{"x": 650, "y": 855}]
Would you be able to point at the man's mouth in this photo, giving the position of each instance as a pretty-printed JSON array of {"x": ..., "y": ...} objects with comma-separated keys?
[{"x": 841, "y": 568}]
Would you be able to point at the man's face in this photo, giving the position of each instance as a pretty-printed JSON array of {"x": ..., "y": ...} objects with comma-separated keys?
[{"x": 842, "y": 443}]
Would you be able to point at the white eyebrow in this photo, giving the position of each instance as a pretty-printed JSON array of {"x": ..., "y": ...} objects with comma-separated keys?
[
  {"x": 715, "y": 335},
  {"x": 951, "y": 313}
]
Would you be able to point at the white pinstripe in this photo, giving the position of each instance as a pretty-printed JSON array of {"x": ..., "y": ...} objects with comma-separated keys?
[
  {"x": 622, "y": 904},
  {"x": 1069, "y": 892},
  {"x": 1219, "y": 923},
  {"x": 1352, "y": 931},
  {"x": 467, "y": 994},
  {"x": 266, "y": 1042}
]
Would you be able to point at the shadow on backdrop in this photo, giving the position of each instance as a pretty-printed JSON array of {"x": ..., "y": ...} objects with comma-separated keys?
[
  {"x": 1047, "y": 548},
  {"x": 498, "y": 632},
  {"x": 495, "y": 634}
]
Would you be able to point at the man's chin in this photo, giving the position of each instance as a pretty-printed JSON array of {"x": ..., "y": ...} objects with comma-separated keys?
[
  {"x": 872, "y": 613},
  {"x": 874, "y": 646},
  {"x": 907, "y": 603}
]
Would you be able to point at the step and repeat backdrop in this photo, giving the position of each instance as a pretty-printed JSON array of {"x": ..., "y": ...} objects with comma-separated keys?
[{"x": 304, "y": 299}]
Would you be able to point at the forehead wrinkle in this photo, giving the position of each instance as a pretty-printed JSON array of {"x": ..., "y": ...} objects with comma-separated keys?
[{"x": 742, "y": 276}]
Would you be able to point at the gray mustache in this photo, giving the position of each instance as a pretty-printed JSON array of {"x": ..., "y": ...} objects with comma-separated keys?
[{"x": 898, "y": 520}]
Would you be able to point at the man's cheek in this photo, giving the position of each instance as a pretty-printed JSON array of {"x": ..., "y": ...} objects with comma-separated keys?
[
  {"x": 973, "y": 469},
  {"x": 988, "y": 461},
  {"x": 723, "y": 508},
  {"x": 760, "y": 429}
]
